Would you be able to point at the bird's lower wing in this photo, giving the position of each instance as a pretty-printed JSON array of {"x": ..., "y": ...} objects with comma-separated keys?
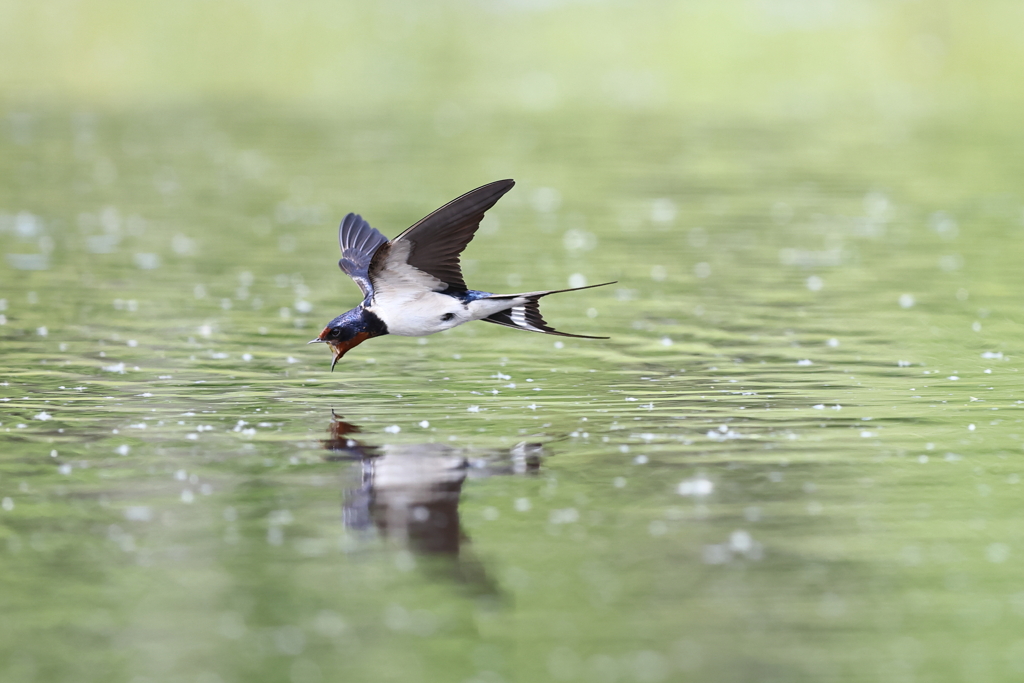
[{"x": 359, "y": 242}]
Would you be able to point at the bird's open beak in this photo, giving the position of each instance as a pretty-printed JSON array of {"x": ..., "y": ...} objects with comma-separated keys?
[
  {"x": 341, "y": 349},
  {"x": 315, "y": 341}
]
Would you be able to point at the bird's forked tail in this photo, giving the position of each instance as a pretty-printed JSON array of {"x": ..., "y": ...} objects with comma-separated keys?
[{"x": 526, "y": 316}]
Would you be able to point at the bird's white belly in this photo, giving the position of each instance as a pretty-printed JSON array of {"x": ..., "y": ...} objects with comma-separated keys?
[{"x": 422, "y": 313}]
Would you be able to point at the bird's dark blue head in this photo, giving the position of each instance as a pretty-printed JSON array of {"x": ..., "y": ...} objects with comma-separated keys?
[{"x": 349, "y": 330}]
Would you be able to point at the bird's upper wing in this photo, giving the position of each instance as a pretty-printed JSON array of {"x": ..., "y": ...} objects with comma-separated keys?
[
  {"x": 358, "y": 243},
  {"x": 427, "y": 254}
]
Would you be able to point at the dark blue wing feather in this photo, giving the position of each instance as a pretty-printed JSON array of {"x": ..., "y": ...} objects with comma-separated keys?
[{"x": 358, "y": 243}]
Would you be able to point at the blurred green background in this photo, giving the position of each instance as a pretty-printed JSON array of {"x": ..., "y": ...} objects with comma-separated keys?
[{"x": 760, "y": 58}]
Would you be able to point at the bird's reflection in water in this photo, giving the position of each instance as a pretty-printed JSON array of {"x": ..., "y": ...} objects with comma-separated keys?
[{"x": 410, "y": 494}]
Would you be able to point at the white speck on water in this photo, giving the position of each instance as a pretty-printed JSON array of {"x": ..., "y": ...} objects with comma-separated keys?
[
  {"x": 866, "y": 434},
  {"x": 904, "y": 364},
  {"x": 7, "y": 504},
  {"x": 204, "y": 331},
  {"x": 43, "y": 416},
  {"x": 992, "y": 355},
  {"x": 988, "y": 371},
  {"x": 187, "y": 496},
  {"x": 138, "y": 513},
  {"x": 907, "y": 300},
  {"x": 952, "y": 457},
  {"x": 393, "y": 429},
  {"x": 247, "y": 357},
  {"x": 820, "y": 406},
  {"x": 291, "y": 360},
  {"x": 640, "y": 460},
  {"x": 123, "y": 449},
  {"x": 997, "y": 553},
  {"x": 833, "y": 342},
  {"x": 303, "y": 306},
  {"x": 532, "y": 406},
  {"x": 42, "y": 331},
  {"x": 577, "y": 280},
  {"x": 147, "y": 261},
  {"x": 971, "y": 427},
  {"x": 657, "y": 528},
  {"x": 740, "y": 541},
  {"x": 719, "y": 435},
  {"x": 424, "y": 423},
  {"x": 953, "y": 378},
  {"x": 619, "y": 482},
  {"x": 663, "y": 210},
  {"x": 805, "y": 361},
  {"x": 522, "y": 504},
  {"x": 698, "y": 486},
  {"x": 65, "y": 468},
  {"x": 473, "y": 409},
  {"x": 491, "y": 513},
  {"x": 922, "y": 459},
  {"x": 658, "y": 273},
  {"x": 815, "y": 283},
  {"x": 564, "y": 516},
  {"x": 976, "y": 326},
  {"x": 814, "y": 508},
  {"x": 559, "y": 345},
  {"x": 666, "y": 341},
  {"x": 501, "y": 375},
  {"x": 702, "y": 270},
  {"x": 116, "y": 367}
]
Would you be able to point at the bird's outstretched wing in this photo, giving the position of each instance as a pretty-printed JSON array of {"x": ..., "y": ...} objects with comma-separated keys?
[
  {"x": 358, "y": 243},
  {"x": 432, "y": 246}
]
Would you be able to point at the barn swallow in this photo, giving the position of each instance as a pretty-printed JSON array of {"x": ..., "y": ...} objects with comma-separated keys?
[{"x": 412, "y": 285}]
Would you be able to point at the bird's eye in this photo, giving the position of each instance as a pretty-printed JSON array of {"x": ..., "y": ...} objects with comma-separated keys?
[
  {"x": 447, "y": 316},
  {"x": 335, "y": 333}
]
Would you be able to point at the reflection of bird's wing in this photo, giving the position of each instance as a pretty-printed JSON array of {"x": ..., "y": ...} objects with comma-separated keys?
[
  {"x": 426, "y": 255},
  {"x": 358, "y": 243}
]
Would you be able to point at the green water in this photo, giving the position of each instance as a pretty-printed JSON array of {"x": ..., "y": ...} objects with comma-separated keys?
[{"x": 797, "y": 458}]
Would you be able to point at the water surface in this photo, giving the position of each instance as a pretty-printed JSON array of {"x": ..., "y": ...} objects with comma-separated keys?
[{"x": 798, "y": 457}]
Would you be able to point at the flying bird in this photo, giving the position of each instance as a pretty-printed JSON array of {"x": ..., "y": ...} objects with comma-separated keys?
[{"x": 412, "y": 285}]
